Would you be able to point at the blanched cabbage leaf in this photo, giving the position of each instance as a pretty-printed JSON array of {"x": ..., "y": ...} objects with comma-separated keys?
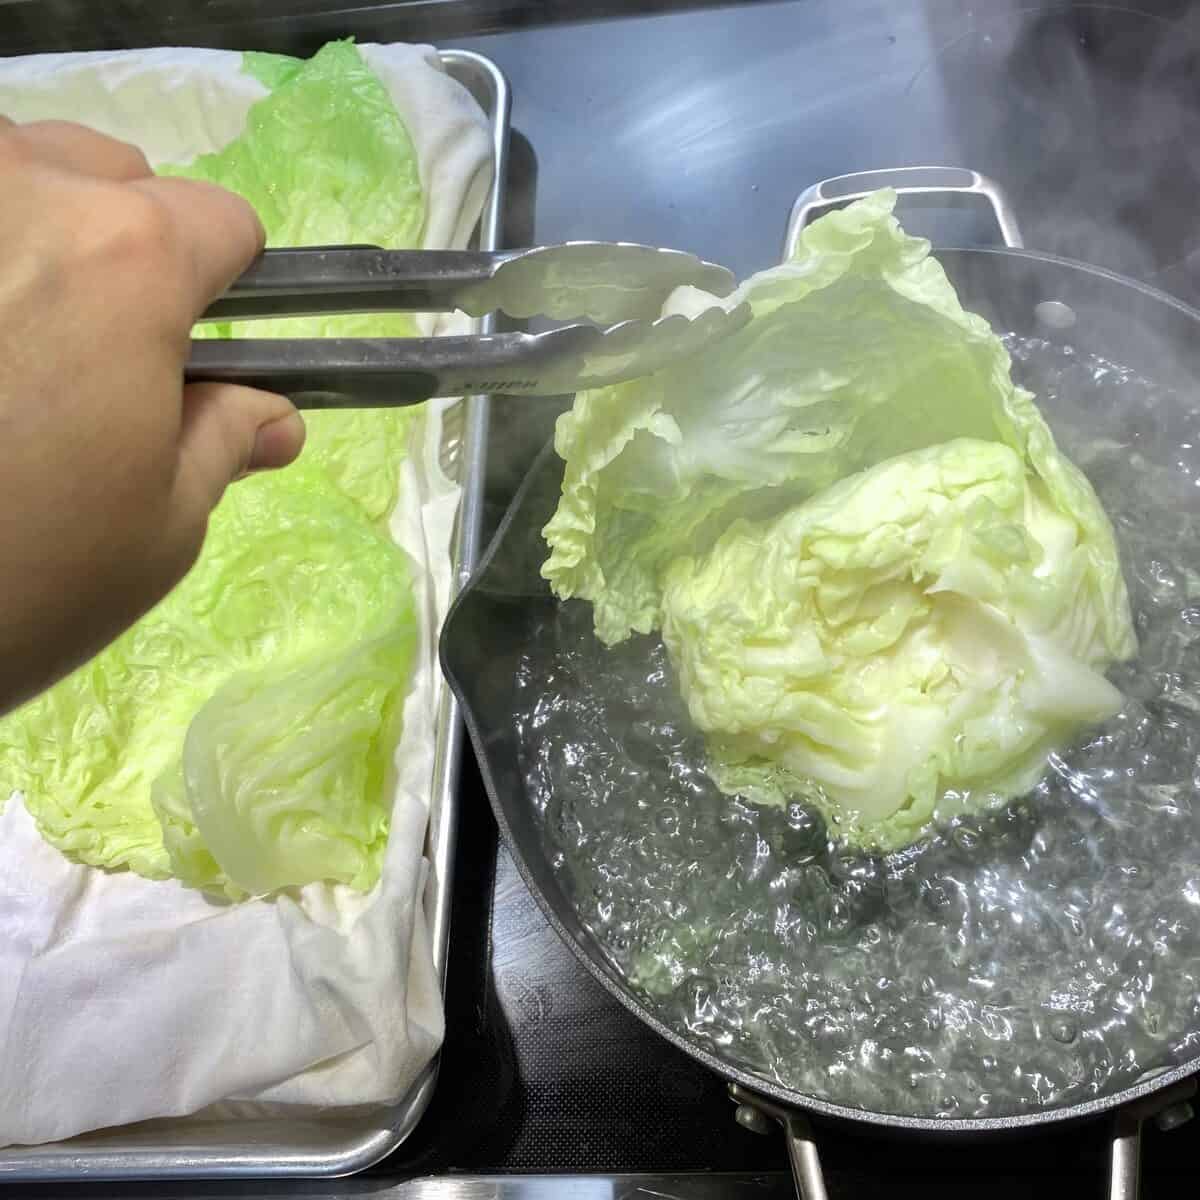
[
  {"x": 293, "y": 584},
  {"x": 878, "y": 578},
  {"x": 283, "y": 778},
  {"x": 324, "y": 159},
  {"x": 239, "y": 736},
  {"x": 922, "y": 625}
]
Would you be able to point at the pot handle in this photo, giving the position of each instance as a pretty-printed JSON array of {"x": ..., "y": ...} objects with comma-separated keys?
[
  {"x": 907, "y": 181},
  {"x": 1170, "y": 1109},
  {"x": 757, "y": 1114}
]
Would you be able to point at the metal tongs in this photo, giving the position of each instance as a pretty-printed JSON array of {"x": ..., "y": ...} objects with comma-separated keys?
[{"x": 620, "y": 286}]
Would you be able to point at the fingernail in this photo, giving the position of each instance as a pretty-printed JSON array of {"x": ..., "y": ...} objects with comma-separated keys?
[{"x": 278, "y": 443}]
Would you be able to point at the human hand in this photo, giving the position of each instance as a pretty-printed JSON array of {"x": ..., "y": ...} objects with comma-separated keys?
[{"x": 109, "y": 465}]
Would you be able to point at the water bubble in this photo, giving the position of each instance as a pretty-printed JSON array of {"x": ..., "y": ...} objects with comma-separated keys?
[
  {"x": 1054, "y": 315},
  {"x": 966, "y": 839},
  {"x": 802, "y": 835},
  {"x": 1063, "y": 1029},
  {"x": 666, "y": 820}
]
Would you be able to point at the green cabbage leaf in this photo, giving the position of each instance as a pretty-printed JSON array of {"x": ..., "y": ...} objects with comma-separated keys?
[
  {"x": 250, "y": 715},
  {"x": 239, "y": 737},
  {"x": 880, "y": 582}
]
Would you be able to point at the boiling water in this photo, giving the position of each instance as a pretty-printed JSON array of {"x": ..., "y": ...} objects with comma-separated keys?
[{"x": 1033, "y": 956}]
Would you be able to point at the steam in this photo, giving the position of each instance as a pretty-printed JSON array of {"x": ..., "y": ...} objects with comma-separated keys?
[{"x": 1088, "y": 117}]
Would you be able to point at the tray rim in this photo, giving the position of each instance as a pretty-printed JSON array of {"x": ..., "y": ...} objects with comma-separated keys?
[{"x": 368, "y": 1139}]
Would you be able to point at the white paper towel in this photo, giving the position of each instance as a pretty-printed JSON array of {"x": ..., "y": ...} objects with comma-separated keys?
[{"x": 123, "y": 999}]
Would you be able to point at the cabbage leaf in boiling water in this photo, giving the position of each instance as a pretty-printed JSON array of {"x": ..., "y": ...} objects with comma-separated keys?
[{"x": 880, "y": 582}]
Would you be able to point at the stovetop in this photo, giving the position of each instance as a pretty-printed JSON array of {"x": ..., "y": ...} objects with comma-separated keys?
[{"x": 697, "y": 127}]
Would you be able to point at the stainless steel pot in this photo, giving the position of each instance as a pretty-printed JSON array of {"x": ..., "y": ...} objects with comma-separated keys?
[{"x": 1015, "y": 289}]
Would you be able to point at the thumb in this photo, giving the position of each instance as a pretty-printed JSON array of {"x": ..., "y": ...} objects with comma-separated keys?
[{"x": 226, "y": 432}]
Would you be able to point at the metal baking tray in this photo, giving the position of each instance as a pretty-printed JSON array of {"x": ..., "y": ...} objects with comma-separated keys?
[{"x": 201, "y": 1148}]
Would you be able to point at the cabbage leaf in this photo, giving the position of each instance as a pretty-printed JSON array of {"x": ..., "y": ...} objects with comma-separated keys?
[
  {"x": 239, "y": 736},
  {"x": 879, "y": 580},
  {"x": 923, "y": 625},
  {"x": 324, "y": 157},
  {"x": 293, "y": 584}
]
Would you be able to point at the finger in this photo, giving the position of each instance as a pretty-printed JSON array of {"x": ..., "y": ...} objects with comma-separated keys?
[
  {"x": 219, "y": 231},
  {"x": 228, "y": 431},
  {"x": 77, "y": 148},
  {"x": 277, "y": 444}
]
